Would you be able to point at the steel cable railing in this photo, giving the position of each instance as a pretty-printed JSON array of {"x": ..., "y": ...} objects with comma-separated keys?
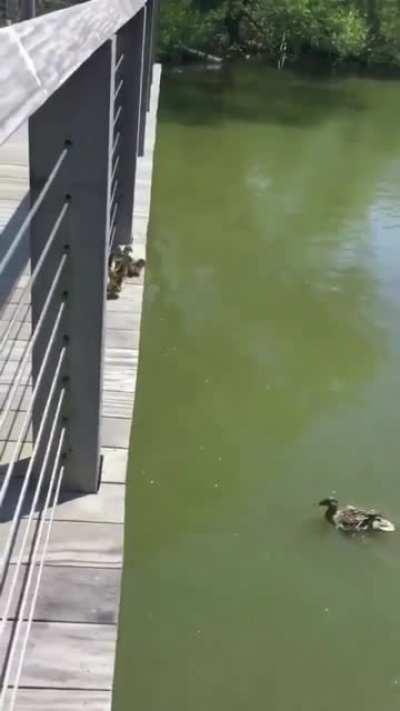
[
  {"x": 115, "y": 156},
  {"x": 35, "y": 500},
  {"x": 121, "y": 60},
  {"x": 117, "y": 116},
  {"x": 42, "y": 455},
  {"x": 116, "y": 144},
  {"x": 27, "y": 289},
  {"x": 114, "y": 192},
  {"x": 113, "y": 225},
  {"x": 53, "y": 481},
  {"x": 28, "y": 415},
  {"x": 36, "y": 588},
  {"x": 46, "y": 318},
  {"x": 5, "y": 555},
  {"x": 32, "y": 212},
  {"x": 27, "y": 350},
  {"x": 115, "y": 168},
  {"x": 118, "y": 89}
]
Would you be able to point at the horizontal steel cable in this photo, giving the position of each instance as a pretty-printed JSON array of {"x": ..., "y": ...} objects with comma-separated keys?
[
  {"x": 32, "y": 212},
  {"x": 112, "y": 238},
  {"x": 33, "y": 560},
  {"x": 35, "y": 499},
  {"x": 38, "y": 443},
  {"x": 29, "y": 348},
  {"x": 114, "y": 192},
  {"x": 35, "y": 272},
  {"x": 113, "y": 220},
  {"x": 115, "y": 169},
  {"x": 29, "y": 520},
  {"x": 116, "y": 143},
  {"x": 28, "y": 414},
  {"x": 118, "y": 89},
  {"x": 119, "y": 63},
  {"x": 117, "y": 116}
]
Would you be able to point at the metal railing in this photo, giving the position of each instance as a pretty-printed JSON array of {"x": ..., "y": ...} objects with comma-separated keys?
[
  {"x": 84, "y": 140},
  {"x": 81, "y": 78}
]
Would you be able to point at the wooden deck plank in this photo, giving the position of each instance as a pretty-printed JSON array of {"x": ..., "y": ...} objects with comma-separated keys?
[
  {"x": 107, "y": 506},
  {"x": 115, "y": 432},
  {"x": 12, "y": 311},
  {"x": 70, "y": 594},
  {"x": 62, "y": 700},
  {"x": 120, "y": 338},
  {"x": 22, "y": 331},
  {"x": 75, "y": 544},
  {"x": 115, "y": 463},
  {"x": 13, "y": 349},
  {"x": 122, "y": 322},
  {"x": 7, "y": 449},
  {"x": 67, "y": 655},
  {"x": 20, "y": 400},
  {"x": 125, "y": 379},
  {"x": 117, "y": 403},
  {"x": 9, "y": 370},
  {"x": 12, "y": 425}
]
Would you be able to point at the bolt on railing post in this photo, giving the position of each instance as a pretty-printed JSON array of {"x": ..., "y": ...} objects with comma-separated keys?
[
  {"x": 77, "y": 116},
  {"x": 130, "y": 44}
]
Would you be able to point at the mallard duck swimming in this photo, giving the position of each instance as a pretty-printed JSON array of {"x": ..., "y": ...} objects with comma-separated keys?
[{"x": 353, "y": 519}]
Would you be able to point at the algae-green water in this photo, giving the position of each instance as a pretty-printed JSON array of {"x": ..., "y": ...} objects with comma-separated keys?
[{"x": 269, "y": 378}]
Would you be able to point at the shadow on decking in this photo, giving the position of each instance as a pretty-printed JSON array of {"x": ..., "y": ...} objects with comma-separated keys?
[
  {"x": 20, "y": 258},
  {"x": 15, "y": 488}
]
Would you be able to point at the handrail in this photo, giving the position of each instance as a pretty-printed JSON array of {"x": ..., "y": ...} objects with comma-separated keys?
[{"x": 28, "y": 73}]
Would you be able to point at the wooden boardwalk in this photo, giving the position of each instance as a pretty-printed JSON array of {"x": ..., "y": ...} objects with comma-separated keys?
[{"x": 70, "y": 656}]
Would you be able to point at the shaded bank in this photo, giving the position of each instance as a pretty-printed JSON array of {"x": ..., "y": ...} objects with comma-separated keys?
[{"x": 284, "y": 32}]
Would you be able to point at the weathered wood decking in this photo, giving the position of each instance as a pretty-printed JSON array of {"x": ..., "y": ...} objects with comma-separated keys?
[{"x": 70, "y": 657}]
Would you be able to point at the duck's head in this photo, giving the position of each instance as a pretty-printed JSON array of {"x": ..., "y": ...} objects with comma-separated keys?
[{"x": 330, "y": 501}]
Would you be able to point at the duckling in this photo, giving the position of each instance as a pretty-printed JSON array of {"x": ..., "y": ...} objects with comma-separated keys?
[
  {"x": 115, "y": 277},
  {"x": 135, "y": 267},
  {"x": 351, "y": 519},
  {"x": 121, "y": 264}
]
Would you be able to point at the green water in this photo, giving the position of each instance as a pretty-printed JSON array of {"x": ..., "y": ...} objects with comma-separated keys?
[{"x": 270, "y": 377}]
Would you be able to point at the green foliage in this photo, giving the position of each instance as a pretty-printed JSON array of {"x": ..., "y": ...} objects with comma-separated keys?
[
  {"x": 365, "y": 30},
  {"x": 183, "y": 24}
]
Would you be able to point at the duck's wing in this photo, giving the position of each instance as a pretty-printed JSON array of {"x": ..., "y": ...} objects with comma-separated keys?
[
  {"x": 359, "y": 511},
  {"x": 351, "y": 518}
]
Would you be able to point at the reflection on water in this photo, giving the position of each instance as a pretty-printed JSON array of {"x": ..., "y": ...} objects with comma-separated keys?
[{"x": 269, "y": 377}]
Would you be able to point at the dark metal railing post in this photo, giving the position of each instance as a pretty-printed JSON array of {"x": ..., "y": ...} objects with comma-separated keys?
[
  {"x": 154, "y": 41},
  {"x": 76, "y": 117},
  {"x": 130, "y": 45},
  {"x": 146, "y": 74},
  {"x": 149, "y": 50},
  {"x": 28, "y": 9}
]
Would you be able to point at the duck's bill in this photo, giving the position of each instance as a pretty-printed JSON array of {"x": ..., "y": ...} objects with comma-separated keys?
[{"x": 383, "y": 525}]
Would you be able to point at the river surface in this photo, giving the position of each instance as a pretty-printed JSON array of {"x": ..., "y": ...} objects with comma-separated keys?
[{"x": 269, "y": 378}]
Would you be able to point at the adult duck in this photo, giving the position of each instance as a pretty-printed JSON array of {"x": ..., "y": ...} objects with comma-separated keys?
[{"x": 352, "y": 519}]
